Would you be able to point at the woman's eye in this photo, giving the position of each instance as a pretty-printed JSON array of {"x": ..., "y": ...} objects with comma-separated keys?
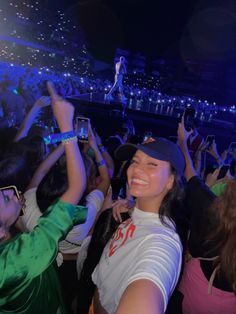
[
  {"x": 152, "y": 164},
  {"x": 133, "y": 161}
]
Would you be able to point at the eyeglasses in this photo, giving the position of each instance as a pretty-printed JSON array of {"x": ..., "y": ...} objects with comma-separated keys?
[
  {"x": 14, "y": 188},
  {"x": 17, "y": 193}
]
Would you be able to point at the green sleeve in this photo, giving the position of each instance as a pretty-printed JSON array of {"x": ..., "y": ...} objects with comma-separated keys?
[{"x": 29, "y": 254}]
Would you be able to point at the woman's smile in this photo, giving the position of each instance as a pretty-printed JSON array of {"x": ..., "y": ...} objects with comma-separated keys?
[{"x": 138, "y": 181}]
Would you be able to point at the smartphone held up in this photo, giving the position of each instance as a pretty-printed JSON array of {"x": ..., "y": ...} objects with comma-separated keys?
[
  {"x": 232, "y": 147},
  {"x": 82, "y": 128},
  {"x": 209, "y": 140},
  {"x": 189, "y": 116}
]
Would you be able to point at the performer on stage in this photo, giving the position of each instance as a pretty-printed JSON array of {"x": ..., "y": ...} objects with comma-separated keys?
[{"x": 120, "y": 68}]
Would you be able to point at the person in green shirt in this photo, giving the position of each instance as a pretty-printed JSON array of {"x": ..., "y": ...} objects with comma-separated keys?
[{"x": 28, "y": 282}]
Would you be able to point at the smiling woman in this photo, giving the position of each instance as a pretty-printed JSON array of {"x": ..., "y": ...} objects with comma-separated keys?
[
  {"x": 140, "y": 266},
  {"x": 149, "y": 179}
]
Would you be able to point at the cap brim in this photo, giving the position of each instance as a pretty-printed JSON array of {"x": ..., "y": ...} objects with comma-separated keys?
[
  {"x": 173, "y": 154},
  {"x": 125, "y": 151},
  {"x": 151, "y": 153}
]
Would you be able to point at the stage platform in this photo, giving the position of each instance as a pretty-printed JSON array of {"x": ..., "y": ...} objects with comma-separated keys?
[
  {"x": 161, "y": 120},
  {"x": 131, "y": 104}
]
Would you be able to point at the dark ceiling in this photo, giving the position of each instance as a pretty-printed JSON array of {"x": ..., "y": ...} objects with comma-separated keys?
[
  {"x": 166, "y": 28},
  {"x": 153, "y": 27}
]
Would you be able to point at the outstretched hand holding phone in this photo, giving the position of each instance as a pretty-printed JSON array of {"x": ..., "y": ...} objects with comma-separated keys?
[
  {"x": 189, "y": 114},
  {"x": 183, "y": 134}
]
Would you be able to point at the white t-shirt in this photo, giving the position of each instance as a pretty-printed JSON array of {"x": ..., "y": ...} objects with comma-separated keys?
[
  {"x": 141, "y": 248},
  {"x": 32, "y": 211},
  {"x": 94, "y": 202},
  {"x": 74, "y": 238}
]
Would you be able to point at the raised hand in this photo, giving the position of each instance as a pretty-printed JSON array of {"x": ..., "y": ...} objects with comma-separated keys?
[
  {"x": 203, "y": 146},
  {"x": 91, "y": 138},
  {"x": 212, "y": 150},
  {"x": 64, "y": 113},
  {"x": 183, "y": 134},
  {"x": 121, "y": 206},
  {"x": 43, "y": 101},
  {"x": 211, "y": 178},
  {"x": 62, "y": 109},
  {"x": 98, "y": 138},
  {"x": 233, "y": 154}
]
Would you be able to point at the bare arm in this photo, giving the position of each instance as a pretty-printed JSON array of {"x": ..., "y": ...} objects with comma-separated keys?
[
  {"x": 109, "y": 162},
  {"x": 107, "y": 157},
  {"x": 45, "y": 166},
  {"x": 102, "y": 169},
  {"x": 141, "y": 297},
  {"x": 182, "y": 140},
  {"x": 30, "y": 117},
  {"x": 64, "y": 113},
  {"x": 198, "y": 156},
  {"x": 107, "y": 201},
  {"x": 214, "y": 153}
]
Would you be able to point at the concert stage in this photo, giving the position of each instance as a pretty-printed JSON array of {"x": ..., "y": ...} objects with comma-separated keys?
[
  {"x": 160, "y": 119},
  {"x": 132, "y": 104}
]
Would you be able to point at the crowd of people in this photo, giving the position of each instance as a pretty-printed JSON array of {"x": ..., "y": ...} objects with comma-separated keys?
[
  {"x": 109, "y": 225},
  {"x": 19, "y": 82}
]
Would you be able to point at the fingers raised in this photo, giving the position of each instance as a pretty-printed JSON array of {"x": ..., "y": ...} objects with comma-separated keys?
[{"x": 52, "y": 91}]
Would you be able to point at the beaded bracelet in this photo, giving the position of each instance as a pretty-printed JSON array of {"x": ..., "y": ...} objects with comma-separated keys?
[
  {"x": 70, "y": 139},
  {"x": 101, "y": 163}
]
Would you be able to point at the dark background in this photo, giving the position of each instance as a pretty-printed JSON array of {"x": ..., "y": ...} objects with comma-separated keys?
[
  {"x": 190, "y": 44},
  {"x": 198, "y": 29}
]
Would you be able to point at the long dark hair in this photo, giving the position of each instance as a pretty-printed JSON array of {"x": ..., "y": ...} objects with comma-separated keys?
[
  {"x": 33, "y": 149},
  {"x": 14, "y": 170},
  {"x": 223, "y": 209},
  {"x": 52, "y": 186},
  {"x": 55, "y": 183},
  {"x": 172, "y": 206}
]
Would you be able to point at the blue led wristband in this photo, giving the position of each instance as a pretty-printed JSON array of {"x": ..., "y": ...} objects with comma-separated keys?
[{"x": 59, "y": 137}]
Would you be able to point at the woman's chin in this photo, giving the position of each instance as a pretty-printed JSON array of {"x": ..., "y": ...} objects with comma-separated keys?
[{"x": 137, "y": 192}]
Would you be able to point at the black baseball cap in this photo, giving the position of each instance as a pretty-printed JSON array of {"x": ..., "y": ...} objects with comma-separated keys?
[{"x": 158, "y": 148}]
